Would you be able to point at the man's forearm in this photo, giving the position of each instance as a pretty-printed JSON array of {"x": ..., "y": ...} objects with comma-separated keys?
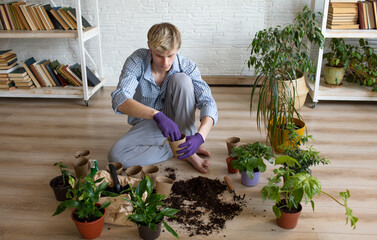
[
  {"x": 133, "y": 108},
  {"x": 205, "y": 126}
]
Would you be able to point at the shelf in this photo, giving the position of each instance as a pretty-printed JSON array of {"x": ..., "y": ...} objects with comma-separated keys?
[
  {"x": 349, "y": 33},
  {"x": 346, "y": 92},
  {"x": 87, "y": 33},
  {"x": 51, "y": 92}
]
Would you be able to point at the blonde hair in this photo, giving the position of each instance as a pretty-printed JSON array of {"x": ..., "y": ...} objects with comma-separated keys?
[{"x": 164, "y": 37}]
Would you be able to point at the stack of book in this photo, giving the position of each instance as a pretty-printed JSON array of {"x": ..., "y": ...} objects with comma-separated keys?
[
  {"x": 8, "y": 63},
  {"x": 45, "y": 73},
  {"x": 27, "y": 16},
  {"x": 343, "y": 15},
  {"x": 21, "y": 79},
  {"x": 367, "y": 14}
]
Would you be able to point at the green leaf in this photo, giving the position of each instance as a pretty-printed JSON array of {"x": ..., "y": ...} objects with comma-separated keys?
[
  {"x": 287, "y": 160},
  {"x": 277, "y": 211},
  {"x": 171, "y": 230}
]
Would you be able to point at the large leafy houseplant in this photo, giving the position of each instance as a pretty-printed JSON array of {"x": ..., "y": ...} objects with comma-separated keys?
[
  {"x": 278, "y": 55},
  {"x": 297, "y": 187},
  {"x": 148, "y": 207},
  {"x": 250, "y": 158}
]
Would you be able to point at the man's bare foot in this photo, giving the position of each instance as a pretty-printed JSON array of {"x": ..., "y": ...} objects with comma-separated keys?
[
  {"x": 199, "y": 163},
  {"x": 203, "y": 151}
]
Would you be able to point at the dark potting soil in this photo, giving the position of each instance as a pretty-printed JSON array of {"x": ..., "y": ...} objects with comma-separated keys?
[
  {"x": 287, "y": 210},
  {"x": 89, "y": 219},
  {"x": 58, "y": 182},
  {"x": 202, "y": 212},
  {"x": 171, "y": 173}
]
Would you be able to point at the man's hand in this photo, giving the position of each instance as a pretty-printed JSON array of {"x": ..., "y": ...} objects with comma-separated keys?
[
  {"x": 167, "y": 126},
  {"x": 190, "y": 146}
]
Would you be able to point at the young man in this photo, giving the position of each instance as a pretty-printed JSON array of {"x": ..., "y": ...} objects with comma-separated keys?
[{"x": 160, "y": 90}]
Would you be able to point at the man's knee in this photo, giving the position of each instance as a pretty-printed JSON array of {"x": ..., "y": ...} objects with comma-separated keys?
[{"x": 181, "y": 81}]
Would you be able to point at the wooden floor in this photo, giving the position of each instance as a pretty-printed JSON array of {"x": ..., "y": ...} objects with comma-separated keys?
[{"x": 35, "y": 133}]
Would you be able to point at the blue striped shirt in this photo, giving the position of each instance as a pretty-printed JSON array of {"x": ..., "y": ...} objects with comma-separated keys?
[{"x": 136, "y": 82}]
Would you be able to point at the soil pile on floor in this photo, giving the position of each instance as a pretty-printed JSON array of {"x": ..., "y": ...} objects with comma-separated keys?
[
  {"x": 170, "y": 173},
  {"x": 201, "y": 209}
]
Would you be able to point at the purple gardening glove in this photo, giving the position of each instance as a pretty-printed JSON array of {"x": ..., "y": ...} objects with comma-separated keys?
[
  {"x": 167, "y": 126},
  {"x": 190, "y": 146}
]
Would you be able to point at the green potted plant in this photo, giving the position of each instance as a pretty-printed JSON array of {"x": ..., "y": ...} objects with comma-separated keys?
[
  {"x": 249, "y": 160},
  {"x": 363, "y": 65},
  {"x": 296, "y": 187},
  {"x": 337, "y": 61},
  {"x": 149, "y": 210},
  {"x": 60, "y": 184},
  {"x": 83, "y": 197},
  {"x": 306, "y": 157},
  {"x": 280, "y": 57}
]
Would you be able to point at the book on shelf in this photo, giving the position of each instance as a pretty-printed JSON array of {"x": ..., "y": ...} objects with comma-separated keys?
[
  {"x": 42, "y": 74},
  {"x": 374, "y": 6},
  {"x": 4, "y": 18},
  {"x": 66, "y": 18},
  {"x": 335, "y": 10},
  {"x": 28, "y": 17},
  {"x": 6, "y": 53},
  {"x": 343, "y": 26},
  {"x": 8, "y": 60},
  {"x": 8, "y": 66},
  {"x": 44, "y": 8},
  {"x": 52, "y": 74},
  {"x": 53, "y": 20},
  {"x": 371, "y": 14},
  {"x": 72, "y": 13},
  {"x": 7, "y": 71},
  {"x": 18, "y": 73},
  {"x": 33, "y": 69},
  {"x": 54, "y": 65},
  {"x": 343, "y": 1},
  {"x": 58, "y": 18},
  {"x": 47, "y": 73},
  {"x": 21, "y": 18},
  {"x": 343, "y": 4},
  {"x": 26, "y": 64}
]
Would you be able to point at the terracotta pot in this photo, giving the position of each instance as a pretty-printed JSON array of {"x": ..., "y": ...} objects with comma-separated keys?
[
  {"x": 230, "y": 168},
  {"x": 151, "y": 171},
  {"x": 118, "y": 166},
  {"x": 147, "y": 234},
  {"x": 89, "y": 230},
  {"x": 135, "y": 172},
  {"x": 245, "y": 180},
  {"x": 232, "y": 142},
  {"x": 301, "y": 130},
  {"x": 163, "y": 185},
  {"x": 175, "y": 145},
  {"x": 333, "y": 75},
  {"x": 289, "y": 220},
  {"x": 81, "y": 166},
  {"x": 60, "y": 192}
]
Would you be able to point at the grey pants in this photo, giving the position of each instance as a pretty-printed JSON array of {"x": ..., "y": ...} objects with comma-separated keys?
[{"x": 144, "y": 143}]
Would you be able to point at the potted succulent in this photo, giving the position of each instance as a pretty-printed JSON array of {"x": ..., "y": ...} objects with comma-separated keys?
[
  {"x": 149, "y": 210},
  {"x": 337, "y": 61},
  {"x": 296, "y": 187},
  {"x": 83, "y": 197},
  {"x": 280, "y": 57},
  {"x": 60, "y": 184},
  {"x": 249, "y": 160}
]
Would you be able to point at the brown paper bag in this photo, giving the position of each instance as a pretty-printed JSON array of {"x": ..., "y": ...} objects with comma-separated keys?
[{"x": 119, "y": 210}]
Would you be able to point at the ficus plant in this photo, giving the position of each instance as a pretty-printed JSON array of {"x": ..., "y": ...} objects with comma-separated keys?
[
  {"x": 250, "y": 158},
  {"x": 278, "y": 55},
  {"x": 83, "y": 196},
  {"x": 338, "y": 56},
  {"x": 65, "y": 173},
  {"x": 148, "y": 207}
]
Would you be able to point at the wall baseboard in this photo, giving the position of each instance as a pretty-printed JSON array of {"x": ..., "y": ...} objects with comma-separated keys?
[{"x": 229, "y": 80}]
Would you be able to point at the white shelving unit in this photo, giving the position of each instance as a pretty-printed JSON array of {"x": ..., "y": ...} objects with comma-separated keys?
[
  {"x": 346, "y": 92},
  {"x": 85, "y": 92}
]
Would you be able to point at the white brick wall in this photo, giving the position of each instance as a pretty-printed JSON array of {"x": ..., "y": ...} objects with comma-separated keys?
[{"x": 216, "y": 34}]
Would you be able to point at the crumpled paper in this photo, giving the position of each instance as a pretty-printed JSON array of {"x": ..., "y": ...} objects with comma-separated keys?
[{"x": 118, "y": 211}]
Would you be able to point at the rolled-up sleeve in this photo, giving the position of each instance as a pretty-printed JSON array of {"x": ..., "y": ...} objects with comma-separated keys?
[
  {"x": 203, "y": 96},
  {"x": 128, "y": 82}
]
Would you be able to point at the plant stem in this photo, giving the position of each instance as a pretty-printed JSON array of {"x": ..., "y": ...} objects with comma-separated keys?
[{"x": 332, "y": 198}]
